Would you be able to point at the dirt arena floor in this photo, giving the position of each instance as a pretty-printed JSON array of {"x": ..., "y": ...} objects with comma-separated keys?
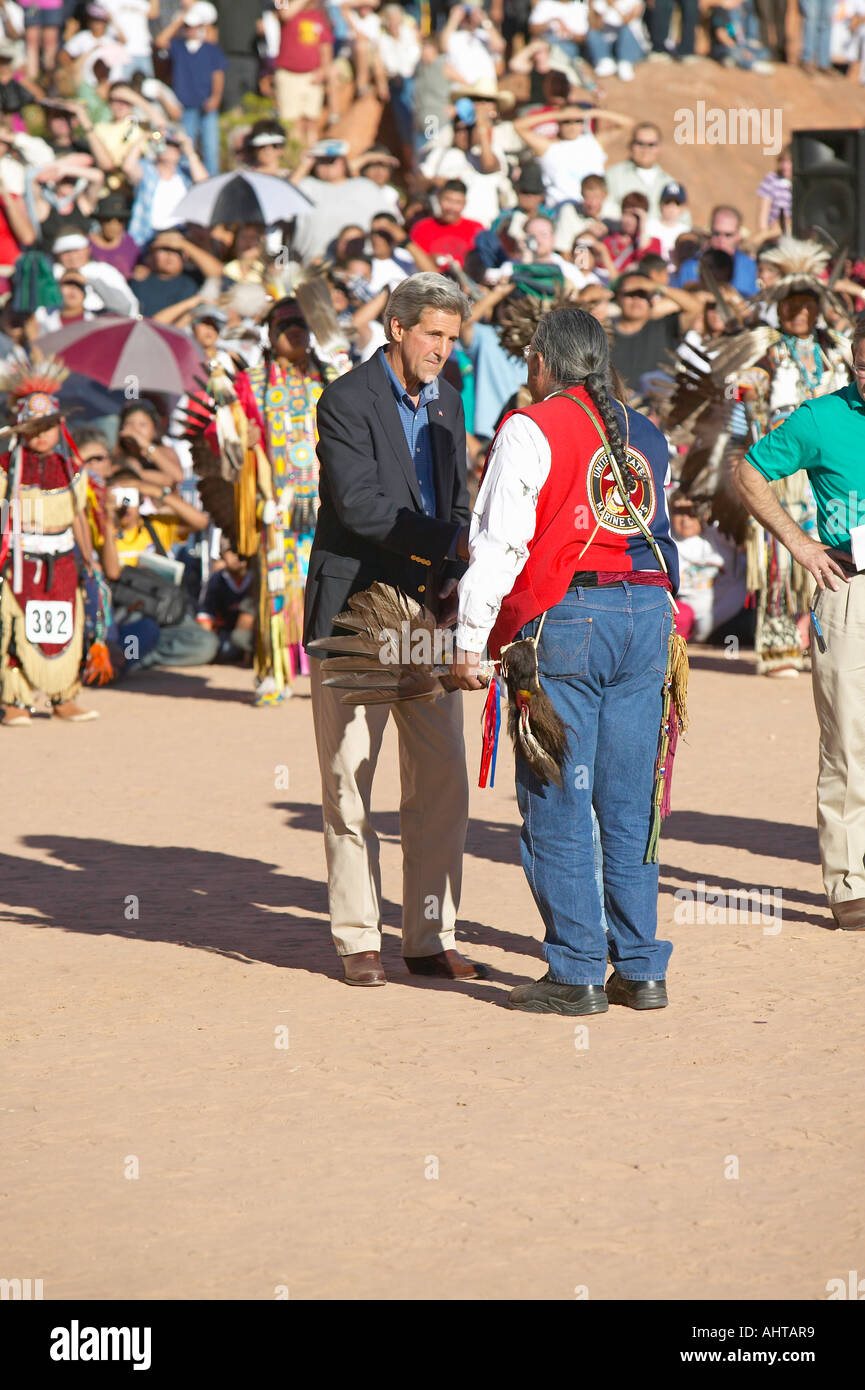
[{"x": 194, "y": 1106}]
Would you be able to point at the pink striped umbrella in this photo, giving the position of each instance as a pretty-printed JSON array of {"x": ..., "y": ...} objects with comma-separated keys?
[{"x": 121, "y": 351}]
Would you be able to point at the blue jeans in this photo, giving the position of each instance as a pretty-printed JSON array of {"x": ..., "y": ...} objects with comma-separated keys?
[
  {"x": 602, "y": 658},
  {"x": 206, "y": 125},
  {"x": 610, "y": 42},
  {"x": 187, "y": 643},
  {"x": 816, "y": 31},
  {"x": 659, "y": 25}
]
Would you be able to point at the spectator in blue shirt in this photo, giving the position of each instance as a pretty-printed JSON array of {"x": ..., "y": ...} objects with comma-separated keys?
[
  {"x": 197, "y": 76},
  {"x": 725, "y": 235}
]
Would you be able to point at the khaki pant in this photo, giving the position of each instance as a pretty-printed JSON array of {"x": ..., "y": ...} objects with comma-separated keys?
[
  {"x": 432, "y": 816},
  {"x": 298, "y": 97},
  {"x": 839, "y": 696}
]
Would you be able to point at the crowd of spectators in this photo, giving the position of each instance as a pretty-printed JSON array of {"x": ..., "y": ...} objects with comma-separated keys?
[{"x": 490, "y": 164}]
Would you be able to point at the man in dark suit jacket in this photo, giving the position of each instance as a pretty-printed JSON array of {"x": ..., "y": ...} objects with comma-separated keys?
[{"x": 393, "y": 507}]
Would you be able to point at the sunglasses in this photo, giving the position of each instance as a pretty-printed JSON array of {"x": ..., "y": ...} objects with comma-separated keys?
[
  {"x": 645, "y": 144},
  {"x": 290, "y": 322},
  {"x": 637, "y": 294},
  {"x": 96, "y": 458}
]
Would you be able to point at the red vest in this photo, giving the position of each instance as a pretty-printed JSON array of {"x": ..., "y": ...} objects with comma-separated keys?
[{"x": 581, "y": 523}]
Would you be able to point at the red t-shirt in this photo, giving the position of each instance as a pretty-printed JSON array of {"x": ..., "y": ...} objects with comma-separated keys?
[
  {"x": 9, "y": 248},
  {"x": 301, "y": 40},
  {"x": 439, "y": 239}
]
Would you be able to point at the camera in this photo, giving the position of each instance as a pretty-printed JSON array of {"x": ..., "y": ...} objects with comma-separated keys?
[{"x": 125, "y": 497}]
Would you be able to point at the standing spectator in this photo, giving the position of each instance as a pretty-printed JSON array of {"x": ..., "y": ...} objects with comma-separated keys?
[
  {"x": 450, "y": 234},
  {"x": 305, "y": 57},
  {"x": 816, "y": 35},
  {"x": 616, "y": 45},
  {"x": 399, "y": 46},
  {"x": 477, "y": 166},
  {"x": 132, "y": 19},
  {"x": 107, "y": 290},
  {"x": 63, "y": 194},
  {"x": 239, "y": 22},
  {"x": 97, "y": 41},
  {"x": 197, "y": 75},
  {"x": 43, "y": 23},
  {"x": 640, "y": 172},
  {"x": 564, "y": 26},
  {"x": 650, "y": 326},
  {"x": 161, "y": 173},
  {"x": 431, "y": 92},
  {"x": 773, "y": 23},
  {"x": 15, "y": 93},
  {"x": 112, "y": 242},
  {"x": 725, "y": 236},
  {"x": 775, "y": 197},
  {"x": 474, "y": 47},
  {"x": 659, "y": 30}
]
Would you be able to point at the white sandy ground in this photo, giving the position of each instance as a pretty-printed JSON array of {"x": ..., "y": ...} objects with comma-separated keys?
[{"x": 152, "y": 1043}]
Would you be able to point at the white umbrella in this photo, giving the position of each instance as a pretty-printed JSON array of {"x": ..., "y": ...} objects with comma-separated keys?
[{"x": 241, "y": 196}]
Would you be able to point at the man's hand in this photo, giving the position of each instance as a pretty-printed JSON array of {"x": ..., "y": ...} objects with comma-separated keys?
[
  {"x": 814, "y": 557},
  {"x": 463, "y": 672},
  {"x": 462, "y": 545}
]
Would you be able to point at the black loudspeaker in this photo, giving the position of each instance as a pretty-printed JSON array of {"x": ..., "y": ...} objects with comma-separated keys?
[{"x": 829, "y": 186}]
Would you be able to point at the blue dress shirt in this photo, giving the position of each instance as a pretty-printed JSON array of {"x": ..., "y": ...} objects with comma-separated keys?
[{"x": 416, "y": 428}]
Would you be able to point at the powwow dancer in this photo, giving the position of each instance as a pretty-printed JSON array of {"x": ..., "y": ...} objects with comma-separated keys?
[
  {"x": 571, "y": 571},
  {"x": 44, "y": 491}
]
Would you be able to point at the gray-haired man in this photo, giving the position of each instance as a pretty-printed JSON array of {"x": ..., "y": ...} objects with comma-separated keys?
[{"x": 394, "y": 507}]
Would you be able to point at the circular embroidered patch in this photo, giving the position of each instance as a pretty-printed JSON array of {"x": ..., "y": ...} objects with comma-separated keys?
[
  {"x": 606, "y": 502},
  {"x": 297, "y": 404},
  {"x": 300, "y": 455}
]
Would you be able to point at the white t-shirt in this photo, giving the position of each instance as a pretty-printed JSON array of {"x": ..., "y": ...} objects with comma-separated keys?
[
  {"x": 566, "y": 163},
  {"x": 469, "y": 54},
  {"x": 386, "y": 273},
  {"x": 666, "y": 233},
  {"x": 131, "y": 18},
  {"x": 167, "y": 195},
  {"x": 573, "y": 17},
  {"x": 400, "y": 55}
]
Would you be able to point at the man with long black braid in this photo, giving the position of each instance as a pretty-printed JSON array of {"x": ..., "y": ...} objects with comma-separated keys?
[{"x": 570, "y": 538}]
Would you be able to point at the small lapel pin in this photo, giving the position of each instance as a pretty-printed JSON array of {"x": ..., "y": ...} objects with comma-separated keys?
[{"x": 441, "y": 413}]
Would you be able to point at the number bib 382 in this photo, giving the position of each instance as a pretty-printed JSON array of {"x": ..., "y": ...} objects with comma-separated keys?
[{"x": 48, "y": 624}]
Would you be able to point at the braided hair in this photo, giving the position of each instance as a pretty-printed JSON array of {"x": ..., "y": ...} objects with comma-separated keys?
[{"x": 576, "y": 351}]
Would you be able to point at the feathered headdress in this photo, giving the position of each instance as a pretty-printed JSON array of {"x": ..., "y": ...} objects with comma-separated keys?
[
  {"x": 801, "y": 263},
  {"x": 520, "y": 315},
  {"x": 32, "y": 388}
]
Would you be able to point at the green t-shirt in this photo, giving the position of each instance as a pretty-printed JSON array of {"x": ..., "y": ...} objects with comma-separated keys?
[{"x": 826, "y": 437}]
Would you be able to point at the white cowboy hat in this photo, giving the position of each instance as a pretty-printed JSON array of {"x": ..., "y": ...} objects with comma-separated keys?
[{"x": 486, "y": 90}]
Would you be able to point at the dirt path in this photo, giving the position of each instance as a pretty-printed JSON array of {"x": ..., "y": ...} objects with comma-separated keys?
[{"x": 600, "y": 1158}]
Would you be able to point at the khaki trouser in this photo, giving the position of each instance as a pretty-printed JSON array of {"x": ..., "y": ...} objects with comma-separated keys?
[
  {"x": 839, "y": 695},
  {"x": 432, "y": 816}
]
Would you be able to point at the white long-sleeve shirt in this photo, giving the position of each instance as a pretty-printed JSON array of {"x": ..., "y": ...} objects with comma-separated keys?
[{"x": 503, "y": 523}]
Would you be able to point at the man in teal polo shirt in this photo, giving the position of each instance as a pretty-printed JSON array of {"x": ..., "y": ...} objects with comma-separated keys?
[{"x": 826, "y": 437}]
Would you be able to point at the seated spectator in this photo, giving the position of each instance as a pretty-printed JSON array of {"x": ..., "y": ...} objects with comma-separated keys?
[
  {"x": 161, "y": 171},
  {"x": 357, "y": 306},
  {"x": 96, "y": 40},
  {"x": 249, "y": 261},
  {"x": 497, "y": 375},
  {"x": 173, "y": 268},
  {"x": 619, "y": 251},
  {"x": 207, "y": 322},
  {"x": 399, "y": 47},
  {"x": 563, "y": 25},
  {"x": 378, "y": 164},
  {"x": 711, "y": 574},
  {"x": 640, "y": 172},
  {"x": 227, "y": 608},
  {"x": 142, "y": 446},
  {"x": 448, "y": 234},
  {"x": 132, "y": 19},
  {"x": 474, "y": 47},
  {"x": 112, "y": 140},
  {"x": 63, "y": 194},
  {"x": 431, "y": 105},
  {"x": 540, "y": 250},
  {"x": 775, "y": 195},
  {"x": 725, "y": 235},
  {"x": 365, "y": 31},
  {"x": 264, "y": 147},
  {"x": 107, "y": 290},
  {"x": 19, "y": 152},
  {"x": 322, "y": 175},
  {"x": 617, "y": 44},
  {"x": 60, "y": 121},
  {"x": 672, "y": 221},
  {"x": 566, "y": 158},
  {"x": 531, "y": 70},
  {"x": 734, "y": 34},
  {"x": 197, "y": 76},
  {"x": 16, "y": 92},
  {"x": 650, "y": 325},
  {"x": 112, "y": 242},
  {"x": 476, "y": 166},
  {"x": 583, "y": 218},
  {"x": 73, "y": 288}
]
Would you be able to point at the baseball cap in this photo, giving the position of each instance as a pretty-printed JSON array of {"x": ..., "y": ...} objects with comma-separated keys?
[
  {"x": 112, "y": 205},
  {"x": 673, "y": 193}
]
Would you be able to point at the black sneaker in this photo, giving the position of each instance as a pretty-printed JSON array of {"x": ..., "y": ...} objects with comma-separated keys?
[
  {"x": 637, "y": 994},
  {"x": 546, "y": 996}
]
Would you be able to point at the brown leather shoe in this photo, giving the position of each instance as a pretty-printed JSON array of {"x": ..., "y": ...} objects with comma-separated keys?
[
  {"x": 448, "y": 965},
  {"x": 850, "y": 916},
  {"x": 364, "y": 968}
]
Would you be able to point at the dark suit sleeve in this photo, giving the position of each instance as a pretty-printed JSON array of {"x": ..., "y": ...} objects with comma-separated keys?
[
  {"x": 359, "y": 501},
  {"x": 461, "y": 510}
]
